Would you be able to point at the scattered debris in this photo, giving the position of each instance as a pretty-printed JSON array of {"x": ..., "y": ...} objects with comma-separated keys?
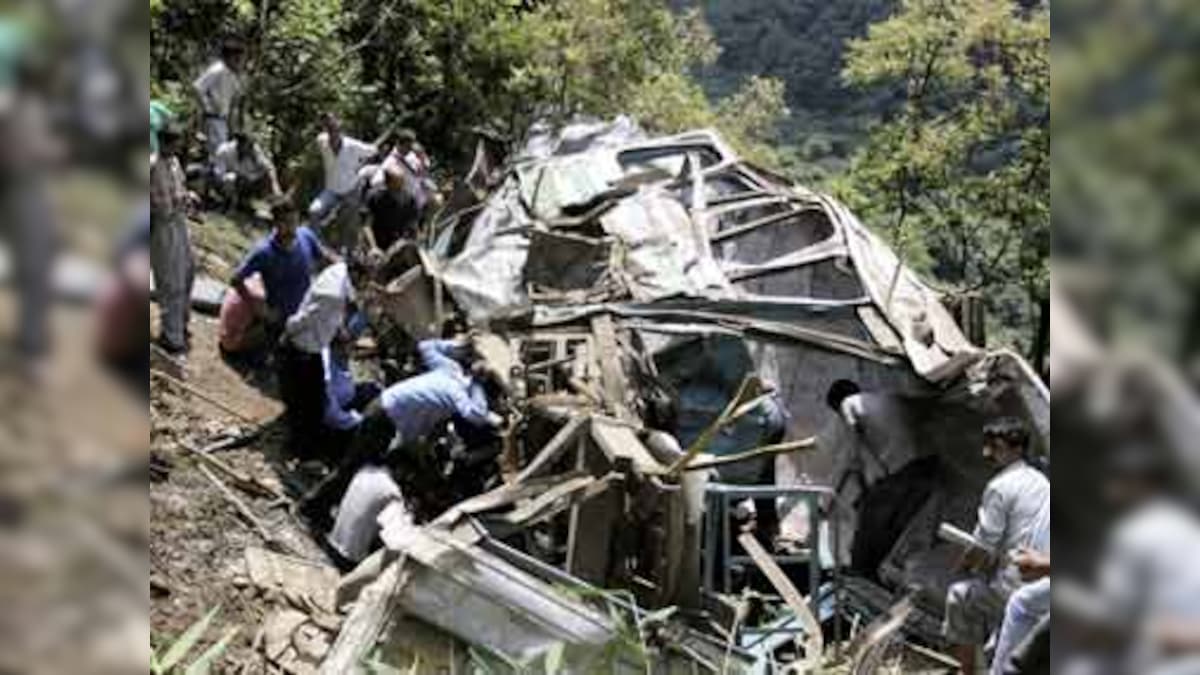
[
  {"x": 244, "y": 511},
  {"x": 642, "y": 301},
  {"x": 304, "y": 583},
  {"x": 202, "y": 395}
]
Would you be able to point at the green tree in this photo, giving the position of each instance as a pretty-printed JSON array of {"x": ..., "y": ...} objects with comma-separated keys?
[
  {"x": 957, "y": 174},
  {"x": 447, "y": 67}
]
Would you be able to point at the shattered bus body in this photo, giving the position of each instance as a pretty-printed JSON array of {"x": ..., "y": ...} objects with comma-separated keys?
[{"x": 642, "y": 295}]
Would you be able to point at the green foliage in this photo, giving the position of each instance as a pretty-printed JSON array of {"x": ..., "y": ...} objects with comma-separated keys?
[
  {"x": 959, "y": 177},
  {"x": 171, "y": 659},
  {"x": 446, "y": 67},
  {"x": 1125, "y": 163}
]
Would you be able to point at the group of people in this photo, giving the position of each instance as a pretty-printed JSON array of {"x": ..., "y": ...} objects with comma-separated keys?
[
  {"x": 1000, "y": 600},
  {"x": 298, "y": 302},
  {"x": 393, "y": 188},
  {"x": 296, "y": 299}
]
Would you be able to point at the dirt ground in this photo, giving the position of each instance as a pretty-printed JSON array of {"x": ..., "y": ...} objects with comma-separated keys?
[{"x": 197, "y": 537}]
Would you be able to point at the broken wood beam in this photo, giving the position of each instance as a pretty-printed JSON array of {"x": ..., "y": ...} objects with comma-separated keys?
[
  {"x": 552, "y": 450},
  {"x": 748, "y": 389},
  {"x": 612, "y": 373},
  {"x": 558, "y": 499},
  {"x": 367, "y": 621},
  {"x": 814, "y": 643},
  {"x": 764, "y": 451}
]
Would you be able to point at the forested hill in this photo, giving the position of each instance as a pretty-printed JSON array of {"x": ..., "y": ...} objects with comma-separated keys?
[{"x": 800, "y": 42}]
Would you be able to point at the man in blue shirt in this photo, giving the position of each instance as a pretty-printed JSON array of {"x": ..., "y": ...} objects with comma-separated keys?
[
  {"x": 345, "y": 399},
  {"x": 286, "y": 259},
  {"x": 410, "y": 411}
]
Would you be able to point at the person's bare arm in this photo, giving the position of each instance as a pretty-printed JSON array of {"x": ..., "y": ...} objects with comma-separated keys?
[
  {"x": 378, "y": 142},
  {"x": 368, "y": 234},
  {"x": 272, "y": 174},
  {"x": 1177, "y": 637},
  {"x": 1032, "y": 564}
]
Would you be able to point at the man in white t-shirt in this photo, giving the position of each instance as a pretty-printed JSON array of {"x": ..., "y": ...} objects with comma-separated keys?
[
  {"x": 219, "y": 89},
  {"x": 341, "y": 157},
  {"x": 1010, "y": 512}
]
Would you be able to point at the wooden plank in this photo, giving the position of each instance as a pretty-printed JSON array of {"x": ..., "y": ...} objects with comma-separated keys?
[
  {"x": 547, "y": 498},
  {"x": 501, "y": 496},
  {"x": 556, "y": 500},
  {"x": 611, "y": 372},
  {"x": 366, "y": 622},
  {"x": 551, "y": 451},
  {"x": 814, "y": 643},
  {"x": 619, "y": 441}
]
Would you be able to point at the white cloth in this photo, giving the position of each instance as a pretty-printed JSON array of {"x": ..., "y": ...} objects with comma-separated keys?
[
  {"x": 357, "y": 523},
  {"x": 1029, "y": 603},
  {"x": 1009, "y": 511},
  {"x": 883, "y": 444},
  {"x": 341, "y": 169},
  {"x": 870, "y": 435},
  {"x": 217, "y": 87},
  {"x": 315, "y": 323}
]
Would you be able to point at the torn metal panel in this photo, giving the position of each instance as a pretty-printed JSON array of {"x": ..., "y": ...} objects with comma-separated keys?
[
  {"x": 564, "y": 262},
  {"x": 666, "y": 254},
  {"x": 664, "y": 229},
  {"x": 486, "y": 601}
]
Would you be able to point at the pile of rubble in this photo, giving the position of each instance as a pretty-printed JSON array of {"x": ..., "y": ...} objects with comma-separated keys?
[{"x": 642, "y": 298}]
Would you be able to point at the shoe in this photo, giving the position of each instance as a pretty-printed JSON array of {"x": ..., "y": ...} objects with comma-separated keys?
[{"x": 171, "y": 349}]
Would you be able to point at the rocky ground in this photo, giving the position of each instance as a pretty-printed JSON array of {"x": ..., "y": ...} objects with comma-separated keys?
[{"x": 198, "y": 538}]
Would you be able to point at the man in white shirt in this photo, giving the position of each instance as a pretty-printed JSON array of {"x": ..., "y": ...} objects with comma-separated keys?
[
  {"x": 219, "y": 89},
  {"x": 307, "y": 333},
  {"x": 1030, "y": 603},
  {"x": 244, "y": 171},
  {"x": 867, "y": 440},
  {"x": 341, "y": 157},
  {"x": 1008, "y": 516}
]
